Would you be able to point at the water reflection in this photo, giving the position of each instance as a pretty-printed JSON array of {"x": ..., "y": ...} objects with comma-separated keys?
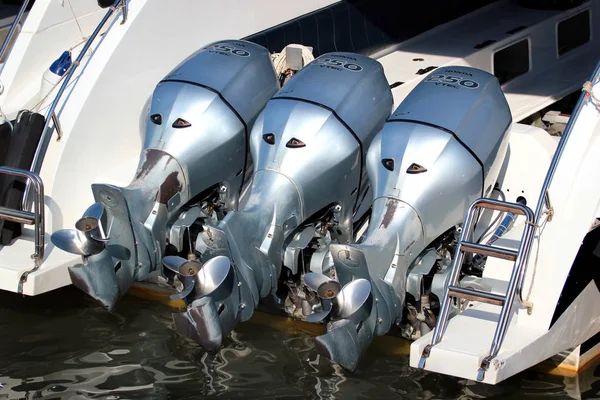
[{"x": 68, "y": 348}]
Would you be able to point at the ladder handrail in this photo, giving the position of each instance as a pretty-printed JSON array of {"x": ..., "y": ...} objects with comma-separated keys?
[
  {"x": 522, "y": 258},
  {"x": 544, "y": 198},
  {"x": 514, "y": 284},
  {"x": 5, "y": 46},
  {"x": 38, "y": 217}
]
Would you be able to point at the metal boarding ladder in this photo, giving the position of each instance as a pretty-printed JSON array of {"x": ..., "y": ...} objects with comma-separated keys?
[
  {"x": 520, "y": 257},
  {"x": 515, "y": 284},
  {"x": 35, "y": 218}
]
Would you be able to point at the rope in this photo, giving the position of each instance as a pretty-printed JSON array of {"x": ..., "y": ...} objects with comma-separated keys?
[
  {"x": 36, "y": 108},
  {"x": 588, "y": 87},
  {"x": 280, "y": 61},
  {"x": 76, "y": 20},
  {"x": 540, "y": 228},
  {"x": 74, "y": 64},
  {"x": 536, "y": 226}
]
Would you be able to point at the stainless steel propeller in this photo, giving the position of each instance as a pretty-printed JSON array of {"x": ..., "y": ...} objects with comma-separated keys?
[
  {"x": 341, "y": 303},
  {"x": 88, "y": 236},
  {"x": 205, "y": 279},
  {"x": 186, "y": 270}
]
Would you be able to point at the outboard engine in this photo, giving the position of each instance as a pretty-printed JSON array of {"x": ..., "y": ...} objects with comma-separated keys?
[
  {"x": 308, "y": 148},
  {"x": 441, "y": 149},
  {"x": 191, "y": 169}
]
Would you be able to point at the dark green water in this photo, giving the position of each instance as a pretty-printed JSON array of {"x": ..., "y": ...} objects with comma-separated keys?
[{"x": 63, "y": 346}]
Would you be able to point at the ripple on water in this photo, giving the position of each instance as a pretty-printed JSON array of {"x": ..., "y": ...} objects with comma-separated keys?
[
  {"x": 118, "y": 352},
  {"x": 69, "y": 351}
]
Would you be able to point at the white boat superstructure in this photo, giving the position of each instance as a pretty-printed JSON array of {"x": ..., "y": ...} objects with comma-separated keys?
[
  {"x": 523, "y": 47},
  {"x": 303, "y": 234}
]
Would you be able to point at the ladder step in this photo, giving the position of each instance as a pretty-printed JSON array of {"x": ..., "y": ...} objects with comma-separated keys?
[
  {"x": 490, "y": 251},
  {"x": 18, "y": 216},
  {"x": 476, "y": 295},
  {"x": 491, "y": 204}
]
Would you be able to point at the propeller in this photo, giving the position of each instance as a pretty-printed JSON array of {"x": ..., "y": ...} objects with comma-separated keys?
[
  {"x": 94, "y": 211},
  {"x": 186, "y": 270},
  {"x": 341, "y": 303},
  {"x": 88, "y": 236},
  {"x": 205, "y": 279},
  {"x": 326, "y": 288}
]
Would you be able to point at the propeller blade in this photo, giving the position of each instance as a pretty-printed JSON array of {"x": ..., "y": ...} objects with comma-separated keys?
[
  {"x": 94, "y": 211},
  {"x": 181, "y": 266},
  {"x": 320, "y": 315},
  {"x": 352, "y": 297},
  {"x": 188, "y": 285},
  {"x": 96, "y": 237},
  {"x": 213, "y": 274},
  {"x": 314, "y": 280},
  {"x": 69, "y": 241},
  {"x": 90, "y": 232},
  {"x": 186, "y": 270},
  {"x": 325, "y": 287}
]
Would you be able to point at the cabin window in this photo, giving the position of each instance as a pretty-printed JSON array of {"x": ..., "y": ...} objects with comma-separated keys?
[
  {"x": 512, "y": 61},
  {"x": 573, "y": 32}
]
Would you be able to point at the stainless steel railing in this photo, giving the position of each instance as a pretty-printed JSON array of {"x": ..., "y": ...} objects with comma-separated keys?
[
  {"x": 543, "y": 204},
  {"x": 48, "y": 131},
  {"x": 36, "y": 218},
  {"x": 6, "y": 46},
  {"x": 544, "y": 199}
]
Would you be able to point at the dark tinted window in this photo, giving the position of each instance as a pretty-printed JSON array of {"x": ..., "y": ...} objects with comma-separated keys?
[
  {"x": 512, "y": 61},
  {"x": 363, "y": 26},
  {"x": 573, "y": 32}
]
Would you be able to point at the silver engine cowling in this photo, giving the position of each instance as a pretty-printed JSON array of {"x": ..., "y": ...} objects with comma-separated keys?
[
  {"x": 441, "y": 149},
  {"x": 308, "y": 147},
  {"x": 191, "y": 168}
]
